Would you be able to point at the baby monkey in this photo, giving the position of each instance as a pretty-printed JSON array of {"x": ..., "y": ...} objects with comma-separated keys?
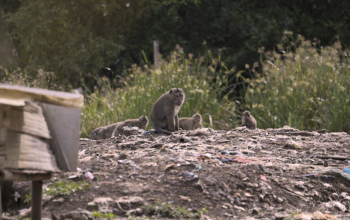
[
  {"x": 248, "y": 120},
  {"x": 191, "y": 123},
  {"x": 142, "y": 123},
  {"x": 107, "y": 131}
]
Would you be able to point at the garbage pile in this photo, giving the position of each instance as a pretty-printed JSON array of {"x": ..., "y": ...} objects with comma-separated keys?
[{"x": 210, "y": 174}]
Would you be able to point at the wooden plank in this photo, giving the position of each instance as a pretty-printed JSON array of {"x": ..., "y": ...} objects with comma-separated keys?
[
  {"x": 29, "y": 154},
  {"x": 21, "y": 93},
  {"x": 29, "y": 157},
  {"x": 6, "y": 175},
  {"x": 21, "y": 141},
  {"x": 41, "y": 165},
  {"x": 27, "y": 122}
]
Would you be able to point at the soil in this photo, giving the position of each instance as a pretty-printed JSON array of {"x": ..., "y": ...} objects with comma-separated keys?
[{"x": 239, "y": 174}]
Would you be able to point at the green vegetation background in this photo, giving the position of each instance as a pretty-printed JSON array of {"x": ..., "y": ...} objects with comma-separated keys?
[{"x": 288, "y": 81}]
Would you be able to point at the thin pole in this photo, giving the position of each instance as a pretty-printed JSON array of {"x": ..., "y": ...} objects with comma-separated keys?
[{"x": 156, "y": 54}]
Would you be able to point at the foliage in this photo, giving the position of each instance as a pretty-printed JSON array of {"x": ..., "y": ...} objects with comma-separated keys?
[
  {"x": 28, "y": 198},
  {"x": 43, "y": 80},
  {"x": 307, "y": 89},
  {"x": 170, "y": 211},
  {"x": 65, "y": 188},
  {"x": 60, "y": 188},
  {"x": 100, "y": 215},
  {"x": 74, "y": 39},
  {"x": 144, "y": 85}
]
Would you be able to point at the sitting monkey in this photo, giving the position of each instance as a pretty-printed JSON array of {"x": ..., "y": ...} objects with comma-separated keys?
[
  {"x": 191, "y": 123},
  {"x": 164, "y": 112},
  {"x": 248, "y": 120}
]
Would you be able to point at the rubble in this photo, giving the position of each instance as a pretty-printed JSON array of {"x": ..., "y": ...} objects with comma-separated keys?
[{"x": 238, "y": 174}]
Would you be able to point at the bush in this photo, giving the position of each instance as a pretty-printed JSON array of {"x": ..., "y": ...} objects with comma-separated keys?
[
  {"x": 305, "y": 87},
  {"x": 144, "y": 85}
]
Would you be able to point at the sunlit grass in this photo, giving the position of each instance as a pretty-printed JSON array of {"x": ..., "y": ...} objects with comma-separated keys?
[
  {"x": 144, "y": 85},
  {"x": 305, "y": 89}
]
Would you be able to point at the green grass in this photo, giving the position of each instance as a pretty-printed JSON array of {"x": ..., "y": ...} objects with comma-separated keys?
[
  {"x": 144, "y": 85},
  {"x": 100, "y": 215},
  {"x": 65, "y": 188},
  {"x": 307, "y": 87},
  {"x": 60, "y": 188},
  {"x": 168, "y": 210}
]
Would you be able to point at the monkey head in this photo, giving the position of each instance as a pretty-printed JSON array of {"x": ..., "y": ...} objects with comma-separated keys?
[
  {"x": 197, "y": 118},
  {"x": 246, "y": 114},
  {"x": 177, "y": 96},
  {"x": 143, "y": 120}
]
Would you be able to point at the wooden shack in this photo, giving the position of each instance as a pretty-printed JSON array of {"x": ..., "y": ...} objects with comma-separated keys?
[{"x": 39, "y": 135}]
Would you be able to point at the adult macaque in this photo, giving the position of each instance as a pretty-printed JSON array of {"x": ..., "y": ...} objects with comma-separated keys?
[{"x": 164, "y": 114}]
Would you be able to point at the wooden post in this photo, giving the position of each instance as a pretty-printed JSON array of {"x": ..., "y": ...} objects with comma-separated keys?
[
  {"x": 37, "y": 191},
  {"x": 156, "y": 54},
  {"x": 0, "y": 201}
]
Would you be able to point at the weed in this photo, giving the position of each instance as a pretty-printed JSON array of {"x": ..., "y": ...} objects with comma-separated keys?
[
  {"x": 28, "y": 198},
  {"x": 100, "y": 215},
  {"x": 167, "y": 210},
  {"x": 65, "y": 188}
]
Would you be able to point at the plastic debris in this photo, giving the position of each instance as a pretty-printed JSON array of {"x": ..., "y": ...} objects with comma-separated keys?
[{"x": 89, "y": 176}]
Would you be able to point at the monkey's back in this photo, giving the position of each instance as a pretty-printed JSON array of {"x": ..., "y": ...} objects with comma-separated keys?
[{"x": 249, "y": 122}]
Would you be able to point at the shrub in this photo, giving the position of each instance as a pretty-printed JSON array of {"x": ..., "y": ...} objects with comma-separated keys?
[{"x": 305, "y": 87}]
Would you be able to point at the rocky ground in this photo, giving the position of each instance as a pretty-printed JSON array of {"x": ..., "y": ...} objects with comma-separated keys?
[{"x": 239, "y": 174}]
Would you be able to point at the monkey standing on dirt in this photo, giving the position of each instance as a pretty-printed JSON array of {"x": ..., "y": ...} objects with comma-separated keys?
[
  {"x": 142, "y": 123},
  {"x": 165, "y": 110},
  {"x": 248, "y": 120},
  {"x": 107, "y": 131},
  {"x": 191, "y": 123}
]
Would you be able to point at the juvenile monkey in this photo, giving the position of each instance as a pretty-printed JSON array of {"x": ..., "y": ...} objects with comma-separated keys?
[
  {"x": 142, "y": 123},
  {"x": 107, "y": 131},
  {"x": 191, "y": 123},
  {"x": 248, "y": 120},
  {"x": 164, "y": 112}
]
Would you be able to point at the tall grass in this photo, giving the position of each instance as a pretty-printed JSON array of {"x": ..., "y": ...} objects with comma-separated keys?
[
  {"x": 144, "y": 85},
  {"x": 43, "y": 80},
  {"x": 306, "y": 87}
]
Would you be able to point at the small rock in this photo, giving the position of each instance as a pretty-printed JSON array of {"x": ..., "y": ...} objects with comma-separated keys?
[
  {"x": 135, "y": 212},
  {"x": 280, "y": 200},
  {"x": 79, "y": 214},
  {"x": 85, "y": 159},
  {"x": 128, "y": 203},
  {"x": 334, "y": 205},
  {"x": 60, "y": 200},
  {"x": 102, "y": 204},
  {"x": 280, "y": 216},
  {"x": 256, "y": 211},
  {"x": 292, "y": 145},
  {"x": 239, "y": 208}
]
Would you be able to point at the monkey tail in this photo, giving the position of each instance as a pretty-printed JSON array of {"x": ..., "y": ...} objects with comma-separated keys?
[
  {"x": 115, "y": 132},
  {"x": 161, "y": 130},
  {"x": 94, "y": 132},
  {"x": 243, "y": 123}
]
